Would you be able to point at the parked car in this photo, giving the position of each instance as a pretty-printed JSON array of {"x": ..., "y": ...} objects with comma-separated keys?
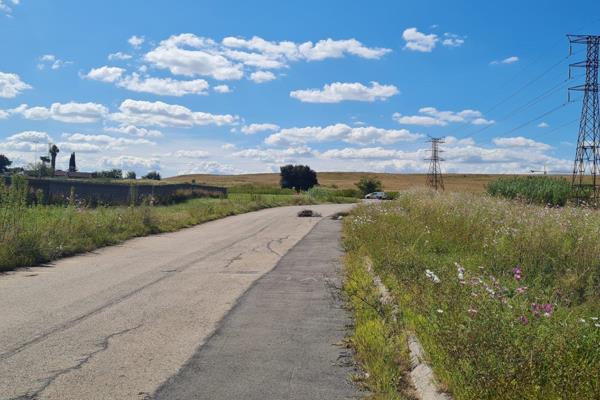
[{"x": 377, "y": 196}]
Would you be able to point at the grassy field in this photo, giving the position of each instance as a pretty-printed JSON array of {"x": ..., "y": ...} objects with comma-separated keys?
[
  {"x": 504, "y": 296},
  {"x": 33, "y": 234},
  {"x": 346, "y": 180}
]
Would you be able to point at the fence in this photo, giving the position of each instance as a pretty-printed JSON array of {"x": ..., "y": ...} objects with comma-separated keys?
[{"x": 93, "y": 193}]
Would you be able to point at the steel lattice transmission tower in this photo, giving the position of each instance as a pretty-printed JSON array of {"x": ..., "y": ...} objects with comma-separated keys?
[
  {"x": 587, "y": 158},
  {"x": 435, "y": 179}
]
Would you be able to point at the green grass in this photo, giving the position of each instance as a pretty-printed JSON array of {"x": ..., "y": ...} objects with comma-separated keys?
[
  {"x": 504, "y": 296},
  {"x": 31, "y": 235},
  {"x": 378, "y": 339},
  {"x": 533, "y": 189}
]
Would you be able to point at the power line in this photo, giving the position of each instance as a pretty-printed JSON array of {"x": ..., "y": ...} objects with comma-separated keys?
[{"x": 536, "y": 118}]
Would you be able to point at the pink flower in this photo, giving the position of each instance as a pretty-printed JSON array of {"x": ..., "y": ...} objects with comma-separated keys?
[
  {"x": 521, "y": 289},
  {"x": 524, "y": 320},
  {"x": 517, "y": 273}
]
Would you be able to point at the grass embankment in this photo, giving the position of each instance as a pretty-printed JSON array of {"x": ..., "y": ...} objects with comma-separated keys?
[
  {"x": 33, "y": 234},
  {"x": 504, "y": 296}
]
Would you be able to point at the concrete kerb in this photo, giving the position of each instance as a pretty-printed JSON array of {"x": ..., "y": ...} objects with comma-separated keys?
[{"x": 421, "y": 374}]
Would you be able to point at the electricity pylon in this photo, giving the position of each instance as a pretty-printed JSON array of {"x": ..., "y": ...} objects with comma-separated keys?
[
  {"x": 435, "y": 179},
  {"x": 587, "y": 157}
]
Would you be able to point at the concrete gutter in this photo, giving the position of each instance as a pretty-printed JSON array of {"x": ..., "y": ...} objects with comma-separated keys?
[{"x": 422, "y": 376}]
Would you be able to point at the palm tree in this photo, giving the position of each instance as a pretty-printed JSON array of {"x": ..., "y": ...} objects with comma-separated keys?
[{"x": 53, "y": 152}]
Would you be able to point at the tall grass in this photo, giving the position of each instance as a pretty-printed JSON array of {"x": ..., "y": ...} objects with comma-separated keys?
[
  {"x": 504, "y": 296},
  {"x": 534, "y": 189},
  {"x": 33, "y": 234}
]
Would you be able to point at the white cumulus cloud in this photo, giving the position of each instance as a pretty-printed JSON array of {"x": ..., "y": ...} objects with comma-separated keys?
[
  {"x": 11, "y": 85},
  {"x": 431, "y": 116},
  {"x": 158, "y": 113},
  {"x": 262, "y": 76},
  {"x": 338, "y": 91},
  {"x": 418, "y": 41},
  {"x": 136, "y": 41},
  {"x": 105, "y": 74},
  {"x": 343, "y": 132},
  {"x": 256, "y": 128}
]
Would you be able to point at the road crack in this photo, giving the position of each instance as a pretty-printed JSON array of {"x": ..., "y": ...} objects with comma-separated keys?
[{"x": 104, "y": 344}]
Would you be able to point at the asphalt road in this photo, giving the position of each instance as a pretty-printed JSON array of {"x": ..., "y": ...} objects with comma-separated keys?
[{"x": 126, "y": 321}]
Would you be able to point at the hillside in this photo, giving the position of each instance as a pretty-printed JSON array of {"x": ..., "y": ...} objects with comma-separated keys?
[{"x": 346, "y": 180}]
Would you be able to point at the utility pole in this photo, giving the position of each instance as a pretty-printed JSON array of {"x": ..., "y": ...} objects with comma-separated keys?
[
  {"x": 587, "y": 157},
  {"x": 434, "y": 176}
]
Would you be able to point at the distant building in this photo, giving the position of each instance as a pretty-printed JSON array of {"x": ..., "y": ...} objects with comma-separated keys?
[{"x": 73, "y": 175}]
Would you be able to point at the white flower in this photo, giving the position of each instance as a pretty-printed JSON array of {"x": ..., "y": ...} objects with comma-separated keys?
[
  {"x": 431, "y": 275},
  {"x": 460, "y": 270},
  {"x": 440, "y": 311}
]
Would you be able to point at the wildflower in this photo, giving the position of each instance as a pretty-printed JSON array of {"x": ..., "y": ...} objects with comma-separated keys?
[
  {"x": 594, "y": 318},
  {"x": 472, "y": 311},
  {"x": 582, "y": 320},
  {"x": 524, "y": 320},
  {"x": 439, "y": 311},
  {"x": 460, "y": 270},
  {"x": 431, "y": 275},
  {"x": 521, "y": 289},
  {"x": 597, "y": 325},
  {"x": 545, "y": 310},
  {"x": 517, "y": 273}
]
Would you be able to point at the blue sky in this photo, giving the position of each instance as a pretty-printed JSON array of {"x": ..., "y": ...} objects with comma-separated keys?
[{"x": 233, "y": 87}]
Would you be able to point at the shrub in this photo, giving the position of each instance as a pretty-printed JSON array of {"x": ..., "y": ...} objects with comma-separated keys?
[
  {"x": 153, "y": 175},
  {"x": 533, "y": 189},
  {"x": 369, "y": 184}
]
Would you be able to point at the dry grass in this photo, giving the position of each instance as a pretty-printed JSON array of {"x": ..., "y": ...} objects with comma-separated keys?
[{"x": 345, "y": 180}]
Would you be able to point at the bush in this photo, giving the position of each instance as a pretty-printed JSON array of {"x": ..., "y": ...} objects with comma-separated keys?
[
  {"x": 152, "y": 175},
  {"x": 533, "y": 189},
  {"x": 369, "y": 184}
]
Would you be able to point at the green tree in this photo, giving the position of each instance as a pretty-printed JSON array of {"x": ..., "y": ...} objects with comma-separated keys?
[
  {"x": 297, "y": 177},
  {"x": 131, "y": 175},
  {"x": 72, "y": 164},
  {"x": 110, "y": 174},
  {"x": 53, "y": 153},
  {"x": 153, "y": 175},
  {"x": 40, "y": 169},
  {"x": 4, "y": 163},
  {"x": 369, "y": 184}
]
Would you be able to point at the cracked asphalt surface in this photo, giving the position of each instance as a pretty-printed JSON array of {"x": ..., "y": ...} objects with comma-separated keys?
[
  {"x": 283, "y": 340},
  {"x": 120, "y": 322}
]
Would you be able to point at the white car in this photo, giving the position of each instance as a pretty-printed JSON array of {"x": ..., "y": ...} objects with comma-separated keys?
[{"x": 377, "y": 196}]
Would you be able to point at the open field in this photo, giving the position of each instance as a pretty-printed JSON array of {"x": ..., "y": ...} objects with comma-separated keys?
[
  {"x": 346, "y": 180},
  {"x": 504, "y": 296}
]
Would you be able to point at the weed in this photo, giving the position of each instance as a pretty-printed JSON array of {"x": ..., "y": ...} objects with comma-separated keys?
[{"x": 504, "y": 296}]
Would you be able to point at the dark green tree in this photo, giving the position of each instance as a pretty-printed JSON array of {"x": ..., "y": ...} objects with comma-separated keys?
[
  {"x": 4, "y": 163},
  {"x": 369, "y": 184},
  {"x": 153, "y": 175},
  {"x": 53, "y": 152},
  {"x": 72, "y": 164},
  {"x": 297, "y": 177},
  {"x": 131, "y": 175},
  {"x": 110, "y": 174}
]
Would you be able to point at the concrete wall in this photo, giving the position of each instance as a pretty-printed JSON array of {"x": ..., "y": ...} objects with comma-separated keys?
[{"x": 89, "y": 192}]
